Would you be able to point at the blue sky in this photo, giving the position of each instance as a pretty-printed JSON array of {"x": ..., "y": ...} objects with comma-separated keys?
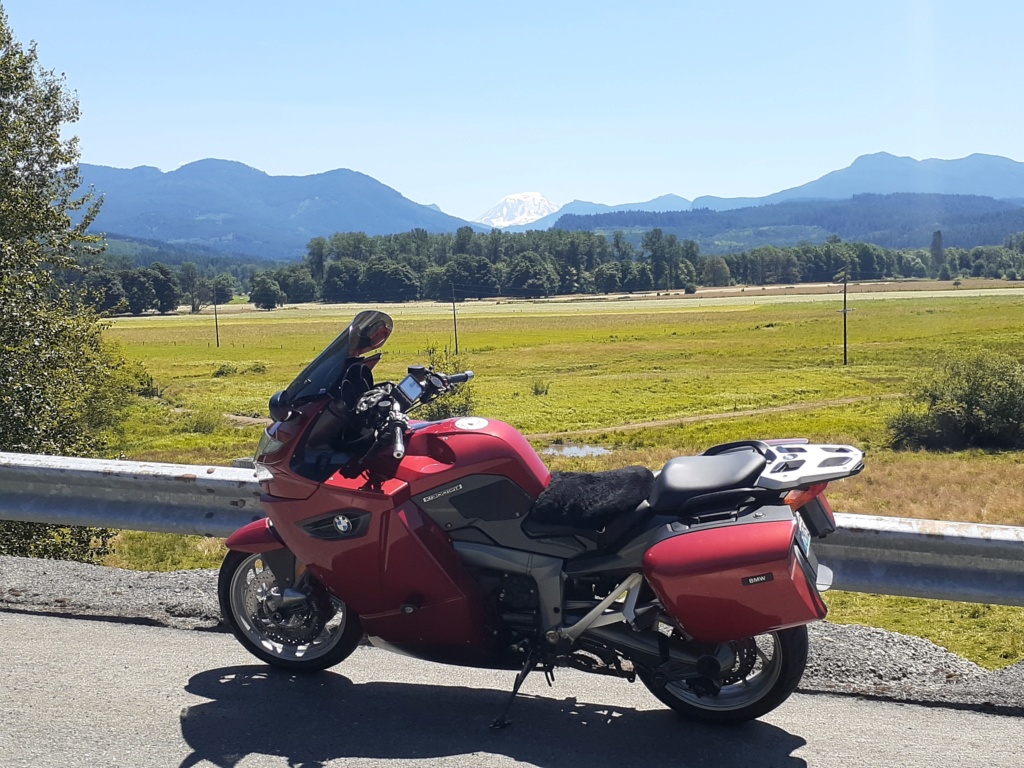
[{"x": 462, "y": 103}]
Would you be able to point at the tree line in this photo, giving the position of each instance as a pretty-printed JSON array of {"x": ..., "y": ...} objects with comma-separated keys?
[
  {"x": 417, "y": 265},
  {"x": 354, "y": 267}
]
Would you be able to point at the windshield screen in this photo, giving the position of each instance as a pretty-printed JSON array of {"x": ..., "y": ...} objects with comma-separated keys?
[{"x": 367, "y": 332}]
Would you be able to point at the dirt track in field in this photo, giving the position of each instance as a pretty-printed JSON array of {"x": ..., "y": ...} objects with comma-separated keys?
[
  {"x": 246, "y": 421},
  {"x": 714, "y": 416}
]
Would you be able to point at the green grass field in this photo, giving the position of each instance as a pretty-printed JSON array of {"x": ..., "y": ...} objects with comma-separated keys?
[{"x": 605, "y": 365}]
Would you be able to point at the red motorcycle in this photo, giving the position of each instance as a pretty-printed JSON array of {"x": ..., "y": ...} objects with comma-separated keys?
[{"x": 451, "y": 541}]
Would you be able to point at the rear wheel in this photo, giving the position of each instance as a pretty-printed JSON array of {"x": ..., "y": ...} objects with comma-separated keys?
[
  {"x": 305, "y": 636},
  {"x": 768, "y": 669}
]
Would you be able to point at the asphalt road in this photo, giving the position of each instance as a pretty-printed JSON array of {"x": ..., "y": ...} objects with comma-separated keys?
[{"x": 77, "y": 692}]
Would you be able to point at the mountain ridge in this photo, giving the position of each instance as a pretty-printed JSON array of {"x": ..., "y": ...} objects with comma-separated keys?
[{"x": 233, "y": 207}]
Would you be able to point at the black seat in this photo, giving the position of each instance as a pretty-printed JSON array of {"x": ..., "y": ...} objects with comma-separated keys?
[{"x": 688, "y": 477}]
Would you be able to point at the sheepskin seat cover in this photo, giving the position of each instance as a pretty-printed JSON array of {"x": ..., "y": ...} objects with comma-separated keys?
[{"x": 589, "y": 500}]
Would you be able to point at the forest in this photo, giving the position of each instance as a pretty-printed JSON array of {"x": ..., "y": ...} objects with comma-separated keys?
[{"x": 354, "y": 267}]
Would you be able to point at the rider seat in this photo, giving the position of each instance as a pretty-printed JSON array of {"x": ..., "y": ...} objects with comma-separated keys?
[{"x": 686, "y": 478}]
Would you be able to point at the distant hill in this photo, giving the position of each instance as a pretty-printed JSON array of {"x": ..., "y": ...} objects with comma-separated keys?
[
  {"x": 583, "y": 208},
  {"x": 885, "y": 174},
  {"x": 233, "y": 208},
  {"x": 893, "y": 221}
]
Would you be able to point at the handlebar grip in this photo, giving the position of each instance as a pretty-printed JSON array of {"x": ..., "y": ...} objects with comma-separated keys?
[
  {"x": 460, "y": 378},
  {"x": 399, "y": 443}
]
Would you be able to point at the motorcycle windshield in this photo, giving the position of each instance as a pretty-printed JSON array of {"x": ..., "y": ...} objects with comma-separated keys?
[{"x": 367, "y": 332}]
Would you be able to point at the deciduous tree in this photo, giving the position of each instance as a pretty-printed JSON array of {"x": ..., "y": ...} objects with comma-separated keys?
[{"x": 62, "y": 389}]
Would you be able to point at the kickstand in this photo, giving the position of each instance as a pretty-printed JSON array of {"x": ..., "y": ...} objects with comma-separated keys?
[{"x": 502, "y": 721}]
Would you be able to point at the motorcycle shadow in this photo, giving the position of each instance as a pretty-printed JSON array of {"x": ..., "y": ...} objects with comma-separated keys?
[{"x": 313, "y": 720}]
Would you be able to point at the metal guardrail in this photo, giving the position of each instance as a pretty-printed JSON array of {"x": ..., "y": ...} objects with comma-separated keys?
[
  {"x": 883, "y": 555},
  {"x": 131, "y": 495},
  {"x": 926, "y": 558}
]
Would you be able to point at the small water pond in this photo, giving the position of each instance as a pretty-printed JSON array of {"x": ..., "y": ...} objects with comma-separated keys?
[{"x": 575, "y": 451}]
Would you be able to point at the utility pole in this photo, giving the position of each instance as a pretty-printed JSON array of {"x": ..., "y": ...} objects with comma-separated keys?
[
  {"x": 846, "y": 311},
  {"x": 216, "y": 322},
  {"x": 455, "y": 320}
]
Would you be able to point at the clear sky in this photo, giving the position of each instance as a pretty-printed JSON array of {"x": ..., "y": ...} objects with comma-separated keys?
[{"x": 461, "y": 103}]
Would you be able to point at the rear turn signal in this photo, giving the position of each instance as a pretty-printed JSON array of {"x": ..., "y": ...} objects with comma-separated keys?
[{"x": 796, "y": 499}]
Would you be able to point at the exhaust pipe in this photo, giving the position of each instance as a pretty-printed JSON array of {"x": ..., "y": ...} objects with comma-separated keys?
[{"x": 646, "y": 649}]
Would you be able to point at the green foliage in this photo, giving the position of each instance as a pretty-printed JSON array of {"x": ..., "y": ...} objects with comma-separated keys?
[
  {"x": 715, "y": 271},
  {"x": 143, "y": 551},
  {"x": 459, "y": 402},
  {"x": 202, "y": 421},
  {"x": 62, "y": 389},
  {"x": 266, "y": 293},
  {"x": 973, "y": 400}
]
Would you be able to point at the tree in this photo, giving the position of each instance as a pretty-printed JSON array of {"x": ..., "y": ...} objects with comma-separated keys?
[
  {"x": 637, "y": 277},
  {"x": 223, "y": 288},
  {"x": 166, "y": 288},
  {"x": 656, "y": 250},
  {"x": 316, "y": 256},
  {"x": 531, "y": 276},
  {"x": 624, "y": 250},
  {"x": 938, "y": 253},
  {"x": 105, "y": 292},
  {"x": 387, "y": 280},
  {"x": 139, "y": 290},
  {"x": 191, "y": 283},
  {"x": 471, "y": 276},
  {"x": 62, "y": 389},
  {"x": 608, "y": 277},
  {"x": 715, "y": 271},
  {"x": 298, "y": 284},
  {"x": 266, "y": 293},
  {"x": 341, "y": 281}
]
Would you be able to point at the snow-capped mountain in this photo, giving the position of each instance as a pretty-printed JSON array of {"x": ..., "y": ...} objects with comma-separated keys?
[{"x": 516, "y": 210}]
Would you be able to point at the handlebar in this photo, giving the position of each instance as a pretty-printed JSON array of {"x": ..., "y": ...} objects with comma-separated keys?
[
  {"x": 399, "y": 442},
  {"x": 460, "y": 378},
  {"x": 397, "y": 431}
]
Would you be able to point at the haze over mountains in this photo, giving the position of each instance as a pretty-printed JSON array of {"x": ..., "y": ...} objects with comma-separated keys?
[{"x": 233, "y": 208}]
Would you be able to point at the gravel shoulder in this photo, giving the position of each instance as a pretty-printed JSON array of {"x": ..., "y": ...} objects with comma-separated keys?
[{"x": 845, "y": 659}]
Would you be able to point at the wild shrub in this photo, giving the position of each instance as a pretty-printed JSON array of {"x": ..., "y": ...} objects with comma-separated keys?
[
  {"x": 225, "y": 369},
  {"x": 540, "y": 387},
  {"x": 972, "y": 400},
  {"x": 203, "y": 421},
  {"x": 459, "y": 402}
]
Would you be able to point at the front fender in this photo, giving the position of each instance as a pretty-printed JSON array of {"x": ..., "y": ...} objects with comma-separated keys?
[{"x": 257, "y": 537}]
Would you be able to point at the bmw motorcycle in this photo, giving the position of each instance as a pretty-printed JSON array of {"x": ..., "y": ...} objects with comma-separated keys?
[{"x": 451, "y": 541}]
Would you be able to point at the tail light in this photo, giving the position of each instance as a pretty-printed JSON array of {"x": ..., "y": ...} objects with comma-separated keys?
[{"x": 814, "y": 508}]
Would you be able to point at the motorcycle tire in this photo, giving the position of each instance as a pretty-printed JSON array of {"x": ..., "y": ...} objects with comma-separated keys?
[
  {"x": 319, "y": 635},
  {"x": 748, "y": 693}
]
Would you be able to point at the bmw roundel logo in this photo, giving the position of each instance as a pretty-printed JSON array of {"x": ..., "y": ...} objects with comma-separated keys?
[{"x": 343, "y": 524}]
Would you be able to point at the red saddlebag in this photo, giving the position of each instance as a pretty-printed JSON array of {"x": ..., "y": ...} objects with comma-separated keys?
[{"x": 735, "y": 581}]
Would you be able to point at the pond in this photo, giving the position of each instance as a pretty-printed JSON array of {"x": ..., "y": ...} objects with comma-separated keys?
[{"x": 575, "y": 451}]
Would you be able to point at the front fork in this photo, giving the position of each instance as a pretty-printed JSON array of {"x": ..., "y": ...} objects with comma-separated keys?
[{"x": 260, "y": 538}]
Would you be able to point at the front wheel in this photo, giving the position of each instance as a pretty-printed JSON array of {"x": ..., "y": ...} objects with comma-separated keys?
[
  {"x": 308, "y": 636},
  {"x": 768, "y": 669}
]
